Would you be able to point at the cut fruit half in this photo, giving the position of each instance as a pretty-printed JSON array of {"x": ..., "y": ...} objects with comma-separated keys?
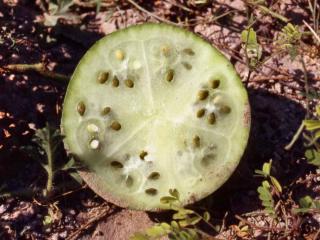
[{"x": 151, "y": 108}]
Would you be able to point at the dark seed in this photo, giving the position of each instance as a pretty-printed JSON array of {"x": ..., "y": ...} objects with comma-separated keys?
[
  {"x": 151, "y": 191},
  {"x": 196, "y": 141},
  {"x": 154, "y": 176},
  {"x": 211, "y": 118},
  {"x": 214, "y": 84},
  {"x": 116, "y": 164},
  {"x": 188, "y": 51},
  {"x": 143, "y": 154},
  {"x": 116, "y": 126},
  {"x": 201, "y": 113},
  {"x": 166, "y": 51},
  {"x": 81, "y": 108},
  {"x": 129, "y": 181},
  {"x": 207, "y": 159},
  {"x": 225, "y": 109},
  {"x": 115, "y": 82},
  {"x": 129, "y": 83},
  {"x": 170, "y": 75},
  {"x": 188, "y": 66},
  {"x": 106, "y": 111},
  {"x": 203, "y": 94},
  {"x": 103, "y": 77}
]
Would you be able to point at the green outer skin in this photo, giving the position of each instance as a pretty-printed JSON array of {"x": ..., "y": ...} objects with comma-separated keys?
[{"x": 93, "y": 180}]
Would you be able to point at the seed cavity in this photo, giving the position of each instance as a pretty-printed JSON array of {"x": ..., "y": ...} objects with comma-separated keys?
[
  {"x": 201, "y": 112},
  {"x": 170, "y": 75},
  {"x": 165, "y": 51},
  {"x": 214, "y": 84},
  {"x": 143, "y": 154},
  {"x": 116, "y": 164},
  {"x": 94, "y": 144},
  {"x": 196, "y": 141},
  {"x": 129, "y": 181},
  {"x": 81, "y": 108},
  {"x": 188, "y": 51},
  {"x": 115, "y": 125},
  {"x": 129, "y": 83},
  {"x": 105, "y": 111},
  {"x": 154, "y": 176},
  {"x": 103, "y": 77},
  {"x": 187, "y": 66},
  {"x": 119, "y": 54},
  {"x": 92, "y": 128},
  {"x": 203, "y": 94},
  {"x": 225, "y": 109},
  {"x": 115, "y": 82},
  {"x": 151, "y": 191},
  {"x": 212, "y": 118}
]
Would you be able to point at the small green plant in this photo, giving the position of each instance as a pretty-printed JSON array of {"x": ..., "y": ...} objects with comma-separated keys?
[
  {"x": 269, "y": 187},
  {"x": 183, "y": 224},
  {"x": 46, "y": 149},
  {"x": 308, "y": 205},
  {"x": 253, "y": 50},
  {"x": 59, "y": 9}
]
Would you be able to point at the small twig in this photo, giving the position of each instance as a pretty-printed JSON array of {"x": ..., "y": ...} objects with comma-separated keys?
[
  {"x": 313, "y": 32},
  {"x": 295, "y": 137},
  {"x": 152, "y": 14},
  {"x": 69, "y": 192},
  {"x": 39, "y": 68},
  {"x": 265, "y": 229},
  {"x": 179, "y": 6},
  {"x": 105, "y": 209}
]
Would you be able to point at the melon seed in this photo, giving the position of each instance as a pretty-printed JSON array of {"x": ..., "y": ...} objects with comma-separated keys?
[
  {"x": 203, "y": 94},
  {"x": 129, "y": 83},
  {"x": 119, "y": 54},
  {"x": 170, "y": 75},
  {"x": 165, "y": 51},
  {"x": 103, "y": 77},
  {"x": 188, "y": 66},
  {"x": 188, "y": 51},
  {"x": 115, "y": 126},
  {"x": 129, "y": 181},
  {"x": 196, "y": 141},
  {"x": 115, "y": 82},
  {"x": 154, "y": 176},
  {"x": 212, "y": 118},
  {"x": 225, "y": 109},
  {"x": 105, "y": 111},
  {"x": 143, "y": 154},
  {"x": 201, "y": 113},
  {"x": 214, "y": 84},
  {"x": 116, "y": 164},
  {"x": 92, "y": 128},
  {"x": 151, "y": 191},
  {"x": 81, "y": 108}
]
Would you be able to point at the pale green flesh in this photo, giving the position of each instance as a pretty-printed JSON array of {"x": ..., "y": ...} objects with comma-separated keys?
[{"x": 156, "y": 116}]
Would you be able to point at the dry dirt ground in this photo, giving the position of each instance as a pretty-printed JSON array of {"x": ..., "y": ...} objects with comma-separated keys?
[{"x": 28, "y": 100}]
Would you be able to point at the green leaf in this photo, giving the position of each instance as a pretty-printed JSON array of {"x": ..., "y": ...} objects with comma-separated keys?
[
  {"x": 313, "y": 157},
  {"x": 167, "y": 200},
  {"x": 156, "y": 231},
  {"x": 276, "y": 183},
  {"x": 174, "y": 192},
  {"x": 139, "y": 236},
  {"x": 266, "y": 168},
  {"x": 175, "y": 225},
  {"x": 306, "y": 202},
  {"x": 189, "y": 221},
  {"x": 259, "y": 172},
  {"x": 318, "y": 110},
  {"x": 312, "y": 124},
  {"x": 249, "y": 37},
  {"x": 206, "y": 216}
]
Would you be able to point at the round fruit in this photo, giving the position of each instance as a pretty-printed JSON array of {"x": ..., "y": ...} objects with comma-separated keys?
[{"x": 151, "y": 108}]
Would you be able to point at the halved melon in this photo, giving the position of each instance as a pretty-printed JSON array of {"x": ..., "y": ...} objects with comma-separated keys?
[{"x": 151, "y": 108}]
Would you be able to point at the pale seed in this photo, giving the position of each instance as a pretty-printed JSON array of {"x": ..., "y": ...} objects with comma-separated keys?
[
  {"x": 92, "y": 128},
  {"x": 188, "y": 66},
  {"x": 94, "y": 144},
  {"x": 119, "y": 54}
]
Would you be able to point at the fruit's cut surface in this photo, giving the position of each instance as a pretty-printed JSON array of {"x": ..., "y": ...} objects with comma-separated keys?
[{"x": 151, "y": 108}]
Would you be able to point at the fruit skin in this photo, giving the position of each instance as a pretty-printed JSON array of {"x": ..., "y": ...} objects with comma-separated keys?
[{"x": 93, "y": 180}]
